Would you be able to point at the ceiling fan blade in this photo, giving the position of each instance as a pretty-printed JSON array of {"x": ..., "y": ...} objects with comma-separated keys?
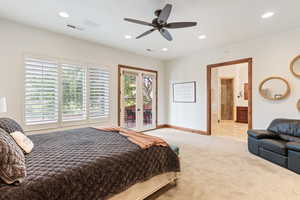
[
  {"x": 181, "y": 24},
  {"x": 166, "y": 34},
  {"x": 165, "y": 14},
  {"x": 146, "y": 33},
  {"x": 138, "y": 22}
]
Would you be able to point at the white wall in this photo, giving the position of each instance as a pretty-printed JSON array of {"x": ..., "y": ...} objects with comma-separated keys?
[
  {"x": 242, "y": 78},
  {"x": 272, "y": 56},
  {"x": 17, "y": 40},
  {"x": 215, "y": 97}
]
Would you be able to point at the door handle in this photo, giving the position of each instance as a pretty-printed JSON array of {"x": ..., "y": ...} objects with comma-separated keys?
[{"x": 138, "y": 109}]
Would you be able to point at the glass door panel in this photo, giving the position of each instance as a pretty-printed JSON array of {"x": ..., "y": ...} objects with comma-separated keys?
[
  {"x": 148, "y": 101},
  {"x": 129, "y": 100}
]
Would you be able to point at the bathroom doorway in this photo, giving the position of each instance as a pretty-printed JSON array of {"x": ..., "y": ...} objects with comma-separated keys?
[{"x": 230, "y": 98}]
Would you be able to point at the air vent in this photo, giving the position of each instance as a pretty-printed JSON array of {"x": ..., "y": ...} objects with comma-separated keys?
[
  {"x": 91, "y": 23},
  {"x": 74, "y": 27}
]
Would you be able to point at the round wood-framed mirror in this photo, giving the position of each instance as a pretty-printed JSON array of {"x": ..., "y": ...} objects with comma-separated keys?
[
  {"x": 274, "y": 88},
  {"x": 298, "y": 105},
  {"x": 295, "y": 66}
]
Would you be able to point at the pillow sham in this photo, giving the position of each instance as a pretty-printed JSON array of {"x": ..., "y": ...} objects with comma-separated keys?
[
  {"x": 23, "y": 141},
  {"x": 12, "y": 160},
  {"x": 10, "y": 125}
]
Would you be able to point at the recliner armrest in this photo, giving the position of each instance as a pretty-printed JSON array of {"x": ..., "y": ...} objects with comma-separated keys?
[
  {"x": 295, "y": 146},
  {"x": 262, "y": 134}
]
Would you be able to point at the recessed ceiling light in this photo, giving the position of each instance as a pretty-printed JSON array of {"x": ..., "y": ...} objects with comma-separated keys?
[
  {"x": 127, "y": 37},
  {"x": 63, "y": 14},
  {"x": 267, "y": 15},
  {"x": 201, "y": 37},
  {"x": 164, "y": 49}
]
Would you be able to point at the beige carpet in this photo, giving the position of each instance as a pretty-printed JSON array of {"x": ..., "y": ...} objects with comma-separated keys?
[{"x": 216, "y": 168}]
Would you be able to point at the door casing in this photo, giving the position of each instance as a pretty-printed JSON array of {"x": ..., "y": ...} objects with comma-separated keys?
[{"x": 209, "y": 87}]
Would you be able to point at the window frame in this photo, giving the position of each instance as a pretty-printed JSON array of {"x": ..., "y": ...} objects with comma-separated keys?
[
  {"x": 74, "y": 122},
  {"x": 60, "y": 123},
  {"x": 92, "y": 66},
  {"x": 35, "y": 69}
]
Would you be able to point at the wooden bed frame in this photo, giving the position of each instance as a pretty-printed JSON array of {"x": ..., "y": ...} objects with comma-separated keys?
[{"x": 143, "y": 190}]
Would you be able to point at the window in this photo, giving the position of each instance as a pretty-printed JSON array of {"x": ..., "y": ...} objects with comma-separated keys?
[
  {"x": 99, "y": 93},
  {"x": 41, "y": 92},
  {"x": 57, "y": 92},
  {"x": 73, "y": 93}
]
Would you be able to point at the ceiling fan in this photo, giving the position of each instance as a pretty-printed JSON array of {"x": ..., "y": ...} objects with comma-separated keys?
[{"x": 160, "y": 23}]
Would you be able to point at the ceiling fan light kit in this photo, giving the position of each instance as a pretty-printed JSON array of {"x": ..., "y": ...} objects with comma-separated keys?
[{"x": 161, "y": 23}]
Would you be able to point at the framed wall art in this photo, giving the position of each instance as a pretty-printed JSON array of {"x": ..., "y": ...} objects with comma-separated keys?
[{"x": 184, "y": 92}]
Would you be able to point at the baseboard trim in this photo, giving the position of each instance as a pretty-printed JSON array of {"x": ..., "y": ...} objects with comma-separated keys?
[
  {"x": 182, "y": 129},
  {"x": 162, "y": 126}
]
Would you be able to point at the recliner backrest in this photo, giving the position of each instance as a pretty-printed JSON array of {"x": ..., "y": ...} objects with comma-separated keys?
[{"x": 289, "y": 127}]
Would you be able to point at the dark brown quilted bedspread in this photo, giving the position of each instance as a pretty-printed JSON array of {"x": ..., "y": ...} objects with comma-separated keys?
[{"x": 87, "y": 164}]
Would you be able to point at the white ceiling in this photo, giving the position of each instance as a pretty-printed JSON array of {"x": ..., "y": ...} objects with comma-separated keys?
[{"x": 223, "y": 21}]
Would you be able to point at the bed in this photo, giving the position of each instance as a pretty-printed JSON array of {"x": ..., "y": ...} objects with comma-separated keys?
[{"x": 89, "y": 164}]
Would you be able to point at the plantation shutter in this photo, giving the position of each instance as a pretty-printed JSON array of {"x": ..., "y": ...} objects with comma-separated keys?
[
  {"x": 41, "y": 91},
  {"x": 99, "y": 93},
  {"x": 73, "y": 93}
]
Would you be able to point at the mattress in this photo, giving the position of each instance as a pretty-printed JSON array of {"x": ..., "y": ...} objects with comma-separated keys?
[{"x": 87, "y": 164}]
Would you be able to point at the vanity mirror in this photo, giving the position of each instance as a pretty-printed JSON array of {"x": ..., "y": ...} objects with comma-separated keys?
[
  {"x": 295, "y": 66},
  {"x": 274, "y": 88}
]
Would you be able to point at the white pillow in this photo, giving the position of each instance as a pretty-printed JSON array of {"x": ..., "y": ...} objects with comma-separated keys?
[{"x": 23, "y": 141}]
